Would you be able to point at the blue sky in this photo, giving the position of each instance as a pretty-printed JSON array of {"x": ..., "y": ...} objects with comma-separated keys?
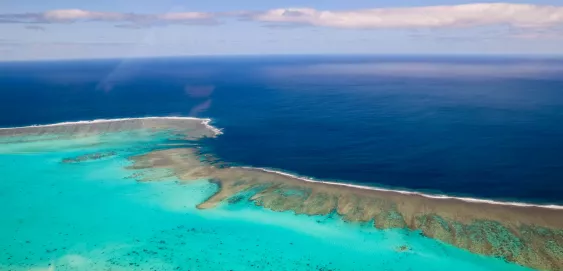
[{"x": 65, "y": 29}]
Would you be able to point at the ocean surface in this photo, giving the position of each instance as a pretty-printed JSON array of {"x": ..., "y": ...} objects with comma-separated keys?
[
  {"x": 465, "y": 126},
  {"x": 485, "y": 128}
]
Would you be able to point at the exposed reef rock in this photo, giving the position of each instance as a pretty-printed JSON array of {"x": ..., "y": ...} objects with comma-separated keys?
[
  {"x": 403, "y": 248},
  {"x": 526, "y": 235}
]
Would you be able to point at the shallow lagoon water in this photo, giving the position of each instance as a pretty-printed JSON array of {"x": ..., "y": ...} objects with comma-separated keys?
[{"x": 93, "y": 216}]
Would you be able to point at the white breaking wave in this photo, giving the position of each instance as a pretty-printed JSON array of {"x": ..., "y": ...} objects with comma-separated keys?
[
  {"x": 507, "y": 203},
  {"x": 204, "y": 121},
  {"x": 207, "y": 124}
]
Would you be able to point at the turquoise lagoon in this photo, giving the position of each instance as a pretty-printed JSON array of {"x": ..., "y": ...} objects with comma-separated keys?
[{"x": 93, "y": 215}]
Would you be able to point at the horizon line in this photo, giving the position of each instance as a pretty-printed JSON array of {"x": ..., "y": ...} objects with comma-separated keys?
[{"x": 382, "y": 55}]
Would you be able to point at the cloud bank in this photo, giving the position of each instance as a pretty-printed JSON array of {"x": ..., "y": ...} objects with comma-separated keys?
[
  {"x": 466, "y": 15},
  {"x": 132, "y": 20}
]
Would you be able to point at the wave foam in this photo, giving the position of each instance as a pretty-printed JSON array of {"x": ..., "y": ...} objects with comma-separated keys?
[
  {"x": 444, "y": 197},
  {"x": 204, "y": 121}
]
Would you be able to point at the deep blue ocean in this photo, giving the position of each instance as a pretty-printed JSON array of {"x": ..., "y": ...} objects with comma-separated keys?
[{"x": 472, "y": 126}]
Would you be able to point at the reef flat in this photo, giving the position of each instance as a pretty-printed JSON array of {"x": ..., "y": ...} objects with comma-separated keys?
[
  {"x": 188, "y": 128},
  {"x": 531, "y": 236}
]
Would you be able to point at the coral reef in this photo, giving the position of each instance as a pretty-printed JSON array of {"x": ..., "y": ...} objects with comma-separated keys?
[{"x": 531, "y": 236}]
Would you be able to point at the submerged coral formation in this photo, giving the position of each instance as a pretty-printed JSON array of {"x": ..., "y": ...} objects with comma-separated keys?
[
  {"x": 88, "y": 157},
  {"x": 531, "y": 236}
]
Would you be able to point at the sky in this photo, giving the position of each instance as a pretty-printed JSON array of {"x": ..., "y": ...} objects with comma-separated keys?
[{"x": 79, "y": 29}]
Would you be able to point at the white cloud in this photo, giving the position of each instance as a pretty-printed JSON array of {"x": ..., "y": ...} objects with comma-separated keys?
[
  {"x": 179, "y": 16},
  {"x": 524, "y": 16},
  {"x": 467, "y": 15},
  {"x": 78, "y": 14},
  {"x": 132, "y": 20}
]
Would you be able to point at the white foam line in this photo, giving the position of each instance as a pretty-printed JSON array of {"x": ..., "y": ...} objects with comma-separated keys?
[
  {"x": 205, "y": 122},
  {"x": 217, "y": 131},
  {"x": 473, "y": 200}
]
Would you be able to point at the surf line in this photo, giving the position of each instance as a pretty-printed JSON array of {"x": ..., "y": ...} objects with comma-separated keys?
[
  {"x": 205, "y": 121},
  {"x": 411, "y": 193},
  {"x": 217, "y": 131}
]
